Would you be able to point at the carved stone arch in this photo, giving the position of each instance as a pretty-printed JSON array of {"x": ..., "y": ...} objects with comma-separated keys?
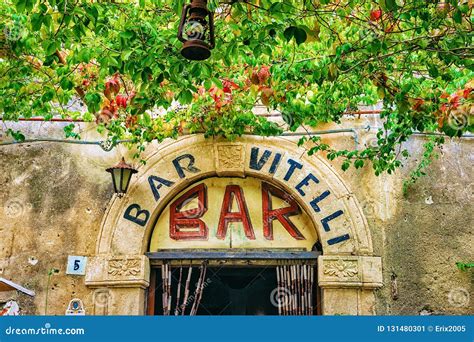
[{"x": 348, "y": 272}]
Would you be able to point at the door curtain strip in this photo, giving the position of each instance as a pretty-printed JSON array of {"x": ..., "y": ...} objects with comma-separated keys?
[
  {"x": 180, "y": 309},
  {"x": 295, "y": 289}
]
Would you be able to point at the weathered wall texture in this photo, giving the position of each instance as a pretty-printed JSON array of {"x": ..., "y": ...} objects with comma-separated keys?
[{"x": 54, "y": 196}]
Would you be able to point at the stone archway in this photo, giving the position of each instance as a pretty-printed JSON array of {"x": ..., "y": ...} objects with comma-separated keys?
[{"x": 347, "y": 272}]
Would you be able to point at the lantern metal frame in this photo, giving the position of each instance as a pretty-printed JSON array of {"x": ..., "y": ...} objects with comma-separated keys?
[
  {"x": 122, "y": 166},
  {"x": 197, "y": 49}
]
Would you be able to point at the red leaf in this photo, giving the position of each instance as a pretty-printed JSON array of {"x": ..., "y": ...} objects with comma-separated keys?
[
  {"x": 375, "y": 15},
  {"x": 444, "y": 96},
  {"x": 454, "y": 101},
  {"x": 264, "y": 74},
  {"x": 466, "y": 92}
]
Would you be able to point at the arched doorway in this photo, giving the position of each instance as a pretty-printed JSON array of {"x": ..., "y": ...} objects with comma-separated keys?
[
  {"x": 348, "y": 272},
  {"x": 246, "y": 245}
]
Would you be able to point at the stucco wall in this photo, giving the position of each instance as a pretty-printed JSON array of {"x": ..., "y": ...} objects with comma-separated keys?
[{"x": 54, "y": 196}]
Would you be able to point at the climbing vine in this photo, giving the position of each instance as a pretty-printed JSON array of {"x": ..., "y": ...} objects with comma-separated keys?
[
  {"x": 118, "y": 64},
  {"x": 464, "y": 266}
]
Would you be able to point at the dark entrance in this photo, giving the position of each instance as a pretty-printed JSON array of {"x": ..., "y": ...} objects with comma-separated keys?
[
  {"x": 227, "y": 291},
  {"x": 246, "y": 282}
]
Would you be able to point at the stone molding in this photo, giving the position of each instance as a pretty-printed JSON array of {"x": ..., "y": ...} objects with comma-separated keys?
[
  {"x": 349, "y": 272},
  {"x": 118, "y": 271}
]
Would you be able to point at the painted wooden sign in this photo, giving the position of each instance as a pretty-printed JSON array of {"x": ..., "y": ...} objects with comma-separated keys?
[{"x": 233, "y": 213}]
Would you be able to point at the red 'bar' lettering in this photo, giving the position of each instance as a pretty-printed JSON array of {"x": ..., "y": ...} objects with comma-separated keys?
[
  {"x": 281, "y": 214},
  {"x": 181, "y": 222},
  {"x": 227, "y": 216}
]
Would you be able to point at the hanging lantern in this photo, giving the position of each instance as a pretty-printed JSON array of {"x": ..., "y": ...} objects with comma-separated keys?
[
  {"x": 121, "y": 175},
  {"x": 196, "y": 31}
]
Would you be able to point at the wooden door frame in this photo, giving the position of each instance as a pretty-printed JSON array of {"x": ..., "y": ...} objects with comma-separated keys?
[{"x": 243, "y": 258}]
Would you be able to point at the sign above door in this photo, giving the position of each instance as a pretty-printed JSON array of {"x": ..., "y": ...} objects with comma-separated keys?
[{"x": 220, "y": 213}]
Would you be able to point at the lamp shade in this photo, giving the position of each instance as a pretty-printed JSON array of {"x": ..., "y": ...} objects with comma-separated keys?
[{"x": 121, "y": 176}]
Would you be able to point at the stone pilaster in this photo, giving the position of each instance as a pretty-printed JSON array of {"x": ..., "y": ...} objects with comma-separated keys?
[
  {"x": 347, "y": 284},
  {"x": 118, "y": 283}
]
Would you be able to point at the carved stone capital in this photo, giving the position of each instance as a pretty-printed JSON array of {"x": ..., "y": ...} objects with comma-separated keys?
[
  {"x": 349, "y": 271},
  {"x": 118, "y": 271}
]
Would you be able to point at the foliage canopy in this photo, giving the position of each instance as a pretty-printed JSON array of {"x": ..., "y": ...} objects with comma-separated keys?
[{"x": 311, "y": 60}]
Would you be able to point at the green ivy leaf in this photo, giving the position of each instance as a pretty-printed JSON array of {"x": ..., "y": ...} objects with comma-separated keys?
[
  {"x": 84, "y": 55},
  {"x": 345, "y": 165},
  {"x": 36, "y": 21},
  {"x": 66, "y": 84},
  {"x": 49, "y": 47},
  {"x": 16, "y": 135},
  {"x": 185, "y": 97},
  {"x": 30, "y": 4},
  {"x": 300, "y": 35},
  {"x": 289, "y": 33},
  {"x": 93, "y": 102},
  {"x": 217, "y": 82},
  {"x": 126, "y": 54},
  {"x": 48, "y": 95},
  {"x": 391, "y": 5},
  {"x": 359, "y": 163},
  {"x": 126, "y": 34},
  {"x": 457, "y": 16}
]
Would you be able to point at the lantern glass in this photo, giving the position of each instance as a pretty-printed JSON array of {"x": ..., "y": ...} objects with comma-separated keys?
[
  {"x": 126, "y": 176},
  {"x": 116, "y": 177},
  {"x": 121, "y": 176}
]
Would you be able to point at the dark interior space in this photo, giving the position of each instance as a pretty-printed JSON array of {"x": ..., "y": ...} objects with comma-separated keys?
[{"x": 227, "y": 290}]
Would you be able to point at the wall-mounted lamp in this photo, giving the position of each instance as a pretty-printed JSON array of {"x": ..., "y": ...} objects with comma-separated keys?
[{"x": 121, "y": 175}]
